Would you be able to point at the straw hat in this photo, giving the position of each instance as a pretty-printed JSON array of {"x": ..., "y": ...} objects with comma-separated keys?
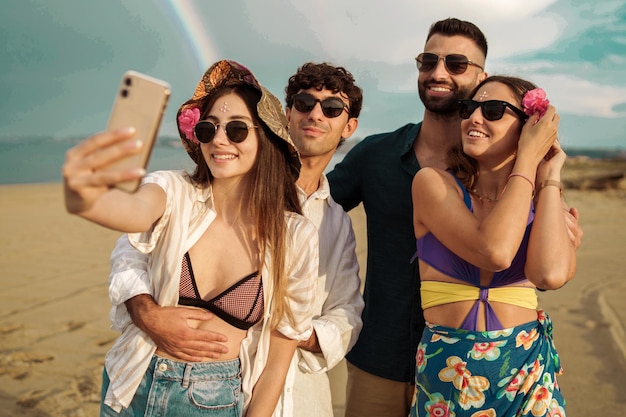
[{"x": 228, "y": 73}]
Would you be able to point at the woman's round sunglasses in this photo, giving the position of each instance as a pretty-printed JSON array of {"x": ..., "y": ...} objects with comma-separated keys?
[
  {"x": 331, "y": 106},
  {"x": 491, "y": 109},
  {"x": 236, "y": 130},
  {"x": 455, "y": 63}
]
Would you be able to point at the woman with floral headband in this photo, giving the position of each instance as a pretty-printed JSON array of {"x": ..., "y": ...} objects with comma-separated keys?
[
  {"x": 490, "y": 231},
  {"x": 236, "y": 216}
]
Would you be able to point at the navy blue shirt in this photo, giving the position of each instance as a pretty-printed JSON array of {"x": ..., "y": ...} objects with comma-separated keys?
[{"x": 378, "y": 172}]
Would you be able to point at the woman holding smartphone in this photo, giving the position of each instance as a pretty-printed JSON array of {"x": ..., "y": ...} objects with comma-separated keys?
[{"x": 228, "y": 238}]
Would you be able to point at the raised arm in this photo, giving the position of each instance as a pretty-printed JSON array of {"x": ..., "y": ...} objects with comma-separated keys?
[
  {"x": 551, "y": 260},
  {"x": 490, "y": 243},
  {"x": 88, "y": 188}
]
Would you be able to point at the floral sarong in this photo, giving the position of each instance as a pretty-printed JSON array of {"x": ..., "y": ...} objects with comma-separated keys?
[{"x": 500, "y": 373}]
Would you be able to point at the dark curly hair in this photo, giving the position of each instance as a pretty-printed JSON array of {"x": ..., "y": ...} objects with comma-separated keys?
[{"x": 324, "y": 75}]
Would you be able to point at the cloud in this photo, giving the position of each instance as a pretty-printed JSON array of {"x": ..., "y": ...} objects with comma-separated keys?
[
  {"x": 392, "y": 31},
  {"x": 575, "y": 49},
  {"x": 582, "y": 97},
  {"x": 381, "y": 40}
]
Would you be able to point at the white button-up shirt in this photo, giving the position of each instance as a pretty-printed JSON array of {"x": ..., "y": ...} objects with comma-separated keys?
[
  {"x": 337, "y": 308},
  {"x": 158, "y": 256},
  {"x": 337, "y": 304}
]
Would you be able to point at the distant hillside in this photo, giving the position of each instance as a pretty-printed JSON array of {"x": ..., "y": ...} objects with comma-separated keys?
[
  {"x": 586, "y": 173},
  {"x": 585, "y": 169},
  {"x": 597, "y": 153}
]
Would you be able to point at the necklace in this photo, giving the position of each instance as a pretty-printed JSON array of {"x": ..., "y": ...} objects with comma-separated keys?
[{"x": 481, "y": 196}]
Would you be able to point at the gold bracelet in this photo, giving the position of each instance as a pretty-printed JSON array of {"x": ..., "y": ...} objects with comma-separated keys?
[
  {"x": 519, "y": 174},
  {"x": 553, "y": 183}
]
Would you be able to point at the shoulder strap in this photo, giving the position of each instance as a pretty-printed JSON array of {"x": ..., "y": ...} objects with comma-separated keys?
[{"x": 466, "y": 196}]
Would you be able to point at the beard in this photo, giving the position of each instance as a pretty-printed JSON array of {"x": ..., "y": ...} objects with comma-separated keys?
[{"x": 444, "y": 105}]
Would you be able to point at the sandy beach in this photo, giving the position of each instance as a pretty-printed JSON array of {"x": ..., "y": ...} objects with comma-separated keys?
[{"x": 54, "y": 327}]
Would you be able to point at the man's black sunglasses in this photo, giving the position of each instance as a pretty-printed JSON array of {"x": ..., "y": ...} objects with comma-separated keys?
[
  {"x": 491, "y": 109},
  {"x": 331, "y": 106},
  {"x": 455, "y": 63}
]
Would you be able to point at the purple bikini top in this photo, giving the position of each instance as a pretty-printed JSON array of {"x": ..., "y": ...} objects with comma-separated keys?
[{"x": 435, "y": 254}]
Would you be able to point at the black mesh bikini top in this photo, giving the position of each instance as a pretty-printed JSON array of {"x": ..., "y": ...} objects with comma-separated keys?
[{"x": 241, "y": 305}]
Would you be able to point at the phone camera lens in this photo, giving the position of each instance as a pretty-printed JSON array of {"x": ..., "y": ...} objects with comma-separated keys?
[
  {"x": 128, "y": 82},
  {"x": 124, "y": 93}
]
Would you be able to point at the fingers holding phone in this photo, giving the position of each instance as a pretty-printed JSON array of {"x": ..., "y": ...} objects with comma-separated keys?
[
  {"x": 86, "y": 163},
  {"x": 118, "y": 157},
  {"x": 84, "y": 171},
  {"x": 140, "y": 102}
]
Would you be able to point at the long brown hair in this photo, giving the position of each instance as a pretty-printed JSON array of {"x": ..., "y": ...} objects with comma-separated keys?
[
  {"x": 271, "y": 189},
  {"x": 464, "y": 167}
]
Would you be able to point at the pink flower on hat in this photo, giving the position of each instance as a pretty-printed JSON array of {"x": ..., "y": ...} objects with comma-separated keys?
[
  {"x": 535, "y": 101},
  {"x": 187, "y": 120}
]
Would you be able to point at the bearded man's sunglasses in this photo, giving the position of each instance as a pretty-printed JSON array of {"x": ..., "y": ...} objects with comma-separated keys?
[{"x": 455, "y": 63}]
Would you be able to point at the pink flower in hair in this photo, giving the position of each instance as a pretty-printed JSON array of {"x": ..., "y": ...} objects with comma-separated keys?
[
  {"x": 535, "y": 101},
  {"x": 187, "y": 120}
]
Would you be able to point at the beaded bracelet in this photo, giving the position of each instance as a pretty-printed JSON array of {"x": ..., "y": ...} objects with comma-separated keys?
[
  {"x": 519, "y": 174},
  {"x": 547, "y": 183}
]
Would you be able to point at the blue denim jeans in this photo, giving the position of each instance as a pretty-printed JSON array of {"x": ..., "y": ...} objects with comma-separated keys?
[{"x": 183, "y": 389}]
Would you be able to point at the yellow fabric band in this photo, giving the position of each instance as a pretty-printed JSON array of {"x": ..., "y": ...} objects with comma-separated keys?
[{"x": 436, "y": 293}]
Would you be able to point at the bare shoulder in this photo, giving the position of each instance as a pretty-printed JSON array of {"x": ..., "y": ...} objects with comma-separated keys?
[{"x": 431, "y": 179}]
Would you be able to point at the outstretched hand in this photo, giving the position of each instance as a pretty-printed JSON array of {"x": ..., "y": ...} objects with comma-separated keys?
[{"x": 84, "y": 180}]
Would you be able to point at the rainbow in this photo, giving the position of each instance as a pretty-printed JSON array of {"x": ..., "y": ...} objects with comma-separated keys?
[{"x": 195, "y": 30}]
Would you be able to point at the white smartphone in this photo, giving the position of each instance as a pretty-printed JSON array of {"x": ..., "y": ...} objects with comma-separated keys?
[{"x": 140, "y": 102}]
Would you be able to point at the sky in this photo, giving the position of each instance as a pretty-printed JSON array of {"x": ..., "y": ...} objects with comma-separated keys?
[{"x": 62, "y": 60}]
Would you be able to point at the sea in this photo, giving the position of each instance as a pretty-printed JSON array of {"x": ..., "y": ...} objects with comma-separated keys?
[{"x": 39, "y": 159}]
